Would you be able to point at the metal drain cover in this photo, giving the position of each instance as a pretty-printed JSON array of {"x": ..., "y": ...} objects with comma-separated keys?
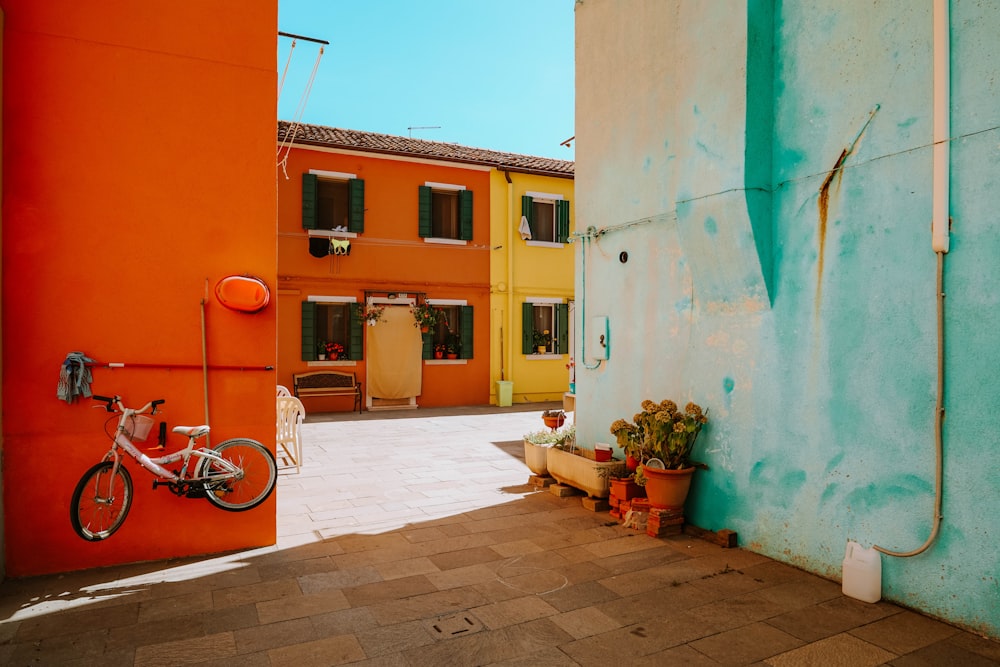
[{"x": 453, "y": 625}]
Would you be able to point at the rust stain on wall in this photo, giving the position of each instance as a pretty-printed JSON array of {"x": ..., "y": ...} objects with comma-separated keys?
[
  {"x": 824, "y": 206},
  {"x": 824, "y": 202}
]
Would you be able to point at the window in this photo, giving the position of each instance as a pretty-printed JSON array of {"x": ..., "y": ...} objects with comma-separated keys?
[
  {"x": 453, "y": 333},
  {"x": 544, "y": 328},
  {"x": 547, "y": 215},
  {"x": 332, "y": 322},
  {"x": 333, "y": 201},
  {"x": 445, "y": 212}
]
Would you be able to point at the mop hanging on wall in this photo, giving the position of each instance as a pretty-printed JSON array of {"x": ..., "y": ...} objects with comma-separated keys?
[{"x": 74, "y": 377}]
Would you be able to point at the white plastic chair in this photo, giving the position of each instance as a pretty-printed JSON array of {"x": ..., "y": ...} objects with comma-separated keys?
[
  {"x": 283, "y": 390},
  {"x": 288, "y": 436}
]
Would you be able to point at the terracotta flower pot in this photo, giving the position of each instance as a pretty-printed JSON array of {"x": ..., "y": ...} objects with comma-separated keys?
[
  {"x": 626, "y": 489},
  {"x": 554, "y": 422},
  {"x": 667, "y": 489}
]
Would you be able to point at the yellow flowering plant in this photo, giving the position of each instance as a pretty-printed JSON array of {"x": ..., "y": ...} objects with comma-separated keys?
[{"x": 661, "y": 431}]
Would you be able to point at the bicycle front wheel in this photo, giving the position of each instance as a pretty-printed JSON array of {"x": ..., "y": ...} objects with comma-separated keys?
[
  {"x": 249, "y": 486},
  {"x": 101, "y": 501}
]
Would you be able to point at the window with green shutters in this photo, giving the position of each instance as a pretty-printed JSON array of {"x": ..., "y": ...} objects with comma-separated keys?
[
  {"x": 332, "y": 204},
  {"x": 547, "y": 218},
  {"x": 453, "y": 332},
  {"x": 544, "y": 328},
  {"x": 444, "y": 214},
  {"x": 332, "y": 323}
]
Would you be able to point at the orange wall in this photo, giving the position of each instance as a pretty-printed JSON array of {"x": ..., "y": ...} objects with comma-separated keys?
[
  {"x": 389, "y": 255},
  {"x": 138, "y": 171}
]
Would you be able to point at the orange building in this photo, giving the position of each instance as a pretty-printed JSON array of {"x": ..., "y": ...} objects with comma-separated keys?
[
  {"x": 373, "y": 225},
  {"x": 125, "y": 201}
]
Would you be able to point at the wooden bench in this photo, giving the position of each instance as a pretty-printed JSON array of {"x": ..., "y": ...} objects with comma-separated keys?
[{"x": 327, "y": 383}]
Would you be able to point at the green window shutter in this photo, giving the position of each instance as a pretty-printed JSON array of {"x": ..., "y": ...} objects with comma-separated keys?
[
  {"x": 424, "y": 225},
  {"x": 309, "y": 331},
  {"x": 427, "y": 345},
  {"x": 562, "y": 220},
  {"x": 465, "y": 215},
  {"x": 310, "y": 200},
  {"x": 562, "y": 328},
  {"x": 527, "y": 210},
  {"x": 356, "y": 204},
  {"x": 465, "y": 330},
  {"x": 356, "y": 347},
  {"x": 527, "y": 328}
]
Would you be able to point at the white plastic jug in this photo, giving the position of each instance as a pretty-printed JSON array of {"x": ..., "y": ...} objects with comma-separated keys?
[{"x": 862, "y": 573}]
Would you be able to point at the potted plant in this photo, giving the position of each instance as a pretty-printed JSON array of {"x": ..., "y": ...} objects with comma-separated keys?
[
  {"x": 624, "y": 486},
  {"x": 321, "y": 350},
  {"x": 578, "y": 467},
  {"x": 663, "y": 437},
  {"x": 541, "y": 340},
  {"x": 452, "y": 344},
  {"x": 626, "y": 435},
  {"x": 553, "y": 418},
  {"x": 372, "y": 313},
  {"x": 334, "y": 351},
  {"x": 538, "y": 443},
  {"x": 425, "y": 316},
  {"x": 440, "y": 350}
]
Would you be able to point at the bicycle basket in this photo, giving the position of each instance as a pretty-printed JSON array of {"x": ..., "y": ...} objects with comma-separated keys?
[{"x": 138, "y": 428}]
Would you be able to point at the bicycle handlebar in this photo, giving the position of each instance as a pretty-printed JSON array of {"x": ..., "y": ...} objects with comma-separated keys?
[{"x": 112, "y": 402}]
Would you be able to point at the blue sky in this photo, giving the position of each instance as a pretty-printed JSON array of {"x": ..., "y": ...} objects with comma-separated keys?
[{"x": 496, "y": 75}]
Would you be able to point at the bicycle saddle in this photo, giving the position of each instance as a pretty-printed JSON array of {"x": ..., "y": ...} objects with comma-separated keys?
[{"x": 192, "y": 431}]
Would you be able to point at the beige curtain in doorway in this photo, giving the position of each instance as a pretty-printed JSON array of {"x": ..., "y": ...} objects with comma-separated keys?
[{"x": 394, "y": 355}]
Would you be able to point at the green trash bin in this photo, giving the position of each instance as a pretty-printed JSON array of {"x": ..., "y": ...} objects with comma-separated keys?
[{"x": 505, "y": 393}]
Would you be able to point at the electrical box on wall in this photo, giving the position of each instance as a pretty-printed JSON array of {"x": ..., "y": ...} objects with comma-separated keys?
[{"x": 598, "y": 338}]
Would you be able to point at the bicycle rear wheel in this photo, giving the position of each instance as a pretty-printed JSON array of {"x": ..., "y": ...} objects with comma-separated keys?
[
  {"x": 100, "y": 501},
  {"x": 247, "y": 489}
]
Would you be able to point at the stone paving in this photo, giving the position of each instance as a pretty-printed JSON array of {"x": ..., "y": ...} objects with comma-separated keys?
[{"x": 414, "y": 538}]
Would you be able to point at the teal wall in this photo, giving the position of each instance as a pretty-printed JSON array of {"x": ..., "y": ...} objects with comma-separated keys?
[{"x": 805, "y": 322}]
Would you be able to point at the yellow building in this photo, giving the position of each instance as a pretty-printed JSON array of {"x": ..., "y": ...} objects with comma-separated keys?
[{"x": 531, "y": 285}]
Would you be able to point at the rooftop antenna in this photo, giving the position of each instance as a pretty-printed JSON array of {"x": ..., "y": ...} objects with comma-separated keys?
[{"x": 422, "y": 127}]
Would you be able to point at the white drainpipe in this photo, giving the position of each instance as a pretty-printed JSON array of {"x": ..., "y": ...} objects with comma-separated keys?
[{"x": 940, "y": 223}]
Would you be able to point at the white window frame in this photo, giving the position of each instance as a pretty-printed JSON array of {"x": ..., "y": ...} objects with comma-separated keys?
[
  {"x": 331, "y": 299},
  {"x": 546, "y": 198},
  {"x": 341, "y": 176},
  {"x": 446, "y": 187},
  {"x": 551, "y": 302},
  {"x": 446, "y": 362}
]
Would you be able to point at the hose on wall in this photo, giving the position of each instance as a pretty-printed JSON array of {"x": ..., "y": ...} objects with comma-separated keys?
[{"x": 938, "y": 422}]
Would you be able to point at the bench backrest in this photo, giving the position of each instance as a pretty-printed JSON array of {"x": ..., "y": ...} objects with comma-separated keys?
[{"x": 324, "y": 379}]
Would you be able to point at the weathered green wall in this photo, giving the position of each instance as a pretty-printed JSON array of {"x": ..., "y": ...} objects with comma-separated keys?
[{"x": 802, "y": 316}]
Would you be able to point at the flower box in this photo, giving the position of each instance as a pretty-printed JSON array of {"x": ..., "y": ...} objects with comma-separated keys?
[{"x": 578, "y": 470}]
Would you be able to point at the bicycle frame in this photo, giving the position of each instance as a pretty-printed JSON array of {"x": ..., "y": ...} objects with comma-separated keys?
[{"x": 155, "y": 465}]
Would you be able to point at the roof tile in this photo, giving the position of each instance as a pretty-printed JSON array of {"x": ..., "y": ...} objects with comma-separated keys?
[{"x": 334, "y": 137}]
